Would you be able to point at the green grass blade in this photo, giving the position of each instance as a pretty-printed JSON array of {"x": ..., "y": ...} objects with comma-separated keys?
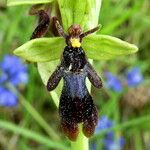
[
  {"x": 31, "y": 135},
  {"x": 34, "y": 113}
]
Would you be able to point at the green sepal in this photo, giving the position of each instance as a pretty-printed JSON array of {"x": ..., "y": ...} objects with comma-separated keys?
[
  {"x": 102, "y": 47},
  {"x": 41, "y": 49},
  {"x": 25, "y": 2},
  {"x": 82, "y": 12}
]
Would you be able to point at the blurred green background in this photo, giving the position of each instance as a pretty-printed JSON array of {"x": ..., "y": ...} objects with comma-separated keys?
[{"x": 130, "y": 109}]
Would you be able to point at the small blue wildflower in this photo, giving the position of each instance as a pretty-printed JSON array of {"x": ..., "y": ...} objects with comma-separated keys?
[
  {"x": 12, "y": 71},
  {"x": 134, "y": 77},
  {"x": 109, "y": 141},
  {"x": 111, "y": 144},
  {"x": 113, "y": 82},
  {"x": 7, "y": 98},
  {"x": 104, "y": 123}
]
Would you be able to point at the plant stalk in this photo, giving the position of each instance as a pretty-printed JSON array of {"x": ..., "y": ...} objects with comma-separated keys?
[{"x": 82, "y": 141}]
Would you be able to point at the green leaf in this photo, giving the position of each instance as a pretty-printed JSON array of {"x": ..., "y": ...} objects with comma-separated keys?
[
  {"x": 24, "y": 2},
  {"x": 101, "y": 47},
  {"x": 41, "y": 49}
]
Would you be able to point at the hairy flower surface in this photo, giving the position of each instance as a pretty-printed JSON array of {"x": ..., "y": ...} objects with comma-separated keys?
[{"x": 13, "y": 72}]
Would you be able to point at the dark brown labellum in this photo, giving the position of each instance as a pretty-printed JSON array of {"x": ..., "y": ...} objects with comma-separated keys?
[{"x": 76, "y": 104}]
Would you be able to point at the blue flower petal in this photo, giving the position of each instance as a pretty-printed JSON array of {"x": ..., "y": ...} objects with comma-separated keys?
[
  {"x": 104, "y": 123},
  {"x": 110, "y": 143},
  {"x": 134, "y": 77},
  {"x": 15, "y": 70},
  {"x": 113, "y": 82},
  {"x": 7, "y": 98},
  {"x": 93, "y": 146},
  {"x": 3, "y": 78},
  {"x": 113, "y": 144},
  {"x": 20, "y": 78}
]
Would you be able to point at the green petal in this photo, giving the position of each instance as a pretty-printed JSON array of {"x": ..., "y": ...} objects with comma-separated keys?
[
  {"x": 101, "y": 47},
  {"x": 41, "y": 49},
  {"x": 24, "y": 2}
]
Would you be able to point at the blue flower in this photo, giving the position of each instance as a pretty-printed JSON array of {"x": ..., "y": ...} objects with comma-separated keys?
[
  {"x": 103, "y": 123},
  {"x": 111, "y": 144},
  {"x": 134, "y": 77},
  {"x": 113, "y": 82},
  {"x": 12, "y": 71},
  {"x": 7, "y": 98},
  {"x": 109, "y": 140}
]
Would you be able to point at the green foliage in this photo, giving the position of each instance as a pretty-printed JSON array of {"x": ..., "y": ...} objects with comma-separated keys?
[{"x": 31, "y": 135}]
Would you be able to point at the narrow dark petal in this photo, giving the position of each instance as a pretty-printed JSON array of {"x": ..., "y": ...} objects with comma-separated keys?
[
  {"x": 55, "y": 78},
  {"x": 43, "y": 25},
  {"x": 93, "y": 76}
]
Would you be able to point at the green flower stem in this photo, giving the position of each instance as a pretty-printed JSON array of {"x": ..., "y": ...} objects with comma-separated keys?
[
  {"x": 82, "y": 141},
  {"x": 35, "y": 114}
]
